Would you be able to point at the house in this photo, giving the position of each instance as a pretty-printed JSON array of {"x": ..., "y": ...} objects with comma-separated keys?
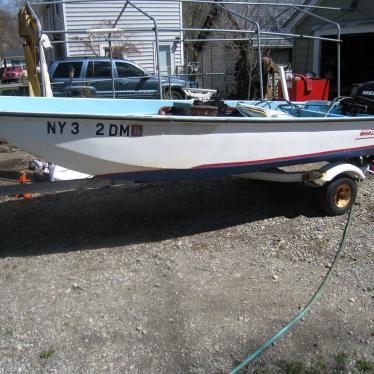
[
  {"x": 139, "y": 46},
  {"x": 13, "y": 57},
  {"x": 231, "y": 66},
  {"x": 356, "y": 20}
]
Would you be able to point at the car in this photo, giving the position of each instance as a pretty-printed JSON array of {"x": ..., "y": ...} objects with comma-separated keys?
[
  {"x": 92, "y": 77},
  {"x": 12, "y": 73}
]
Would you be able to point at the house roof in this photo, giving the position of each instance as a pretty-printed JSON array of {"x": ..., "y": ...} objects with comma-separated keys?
[
  {"x": 298, "y": 16},
  {"x": 343, "y": 17}
]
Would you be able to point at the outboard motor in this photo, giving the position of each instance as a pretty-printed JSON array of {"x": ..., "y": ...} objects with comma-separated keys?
[{"x": 362, "y": 99}]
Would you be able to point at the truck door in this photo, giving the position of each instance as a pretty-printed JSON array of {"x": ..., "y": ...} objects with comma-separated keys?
[
  {"x": 133, "y": 82},
  {"x": 99, "y": 76}
]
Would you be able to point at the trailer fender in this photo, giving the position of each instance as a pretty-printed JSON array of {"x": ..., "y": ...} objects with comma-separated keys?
[{"x": 331, "y": 171}]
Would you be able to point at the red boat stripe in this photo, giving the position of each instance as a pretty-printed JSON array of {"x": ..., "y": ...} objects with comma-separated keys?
[{"x": 240, "y": 163}]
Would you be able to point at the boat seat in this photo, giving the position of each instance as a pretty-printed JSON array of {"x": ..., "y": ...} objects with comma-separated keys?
[{"x": 247, "y": 110}]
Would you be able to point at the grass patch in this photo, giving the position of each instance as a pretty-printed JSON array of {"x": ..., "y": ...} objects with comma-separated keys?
[
  {"x": 317, "y": 367},
  {"x": 8, "y": 331},
  {"x": 291, "y": 367},
  {"x": 364, "y": 365},
  {"x": 341, "y": 359},
  {"x": 46, "y": 354}
]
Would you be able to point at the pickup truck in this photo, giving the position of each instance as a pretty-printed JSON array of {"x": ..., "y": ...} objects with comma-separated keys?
[{"x": 12, "y": 74}]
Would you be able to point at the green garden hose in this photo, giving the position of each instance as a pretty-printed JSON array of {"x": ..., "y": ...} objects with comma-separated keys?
[{"x": 308, "y": 306}]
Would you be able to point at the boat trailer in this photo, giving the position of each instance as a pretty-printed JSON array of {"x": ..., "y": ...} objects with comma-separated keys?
[{"x": 336, "y": 182}]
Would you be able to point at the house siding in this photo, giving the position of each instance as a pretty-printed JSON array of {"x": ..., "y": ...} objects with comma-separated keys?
[{"x": 82, "y": 16}]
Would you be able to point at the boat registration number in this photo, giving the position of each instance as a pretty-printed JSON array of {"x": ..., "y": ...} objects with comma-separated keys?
[{"x": 100, "y": 129}]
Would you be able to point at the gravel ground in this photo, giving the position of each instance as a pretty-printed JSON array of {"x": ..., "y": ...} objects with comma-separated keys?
[{"x": 185, "y": 277}]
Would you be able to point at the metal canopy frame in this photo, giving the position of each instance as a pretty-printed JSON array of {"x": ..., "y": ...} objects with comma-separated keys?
[
  {"x": 200, "y": 1},
  {"x": 128, "y": 2},
  {"x": 302, "y": 8}
]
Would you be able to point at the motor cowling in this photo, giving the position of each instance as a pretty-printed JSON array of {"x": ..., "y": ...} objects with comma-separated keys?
[{"x": 363, "y": 94}]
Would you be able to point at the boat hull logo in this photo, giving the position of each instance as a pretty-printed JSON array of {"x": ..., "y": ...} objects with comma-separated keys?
[{"x": 366, "y": 134}]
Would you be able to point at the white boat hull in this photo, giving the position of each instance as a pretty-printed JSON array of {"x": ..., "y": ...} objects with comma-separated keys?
[{"x": 113, "y": 144}]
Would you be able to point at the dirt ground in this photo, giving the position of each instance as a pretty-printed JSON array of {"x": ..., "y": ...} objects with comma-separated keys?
[{"x": 186, "y": 277}]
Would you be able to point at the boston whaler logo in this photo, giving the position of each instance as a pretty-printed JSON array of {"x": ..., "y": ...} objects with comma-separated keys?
[
  {"x": 368, "y": 93},
  {"x": 366, "y": 134}
]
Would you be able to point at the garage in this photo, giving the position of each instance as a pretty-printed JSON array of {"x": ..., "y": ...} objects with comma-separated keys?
[{"x": 356, "y": 62}]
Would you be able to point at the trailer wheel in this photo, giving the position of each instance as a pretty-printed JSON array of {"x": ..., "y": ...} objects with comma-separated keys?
[{"x": 338, "y": 196}]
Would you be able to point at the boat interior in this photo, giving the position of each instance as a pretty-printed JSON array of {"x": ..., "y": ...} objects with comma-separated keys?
[{"x": 343, "y": 107}]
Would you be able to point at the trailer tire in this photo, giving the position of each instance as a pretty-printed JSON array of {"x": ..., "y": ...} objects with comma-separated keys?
[{"x": 338, "y": 196}]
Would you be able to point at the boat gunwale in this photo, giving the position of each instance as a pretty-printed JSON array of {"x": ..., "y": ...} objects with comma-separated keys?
[{"x": 197, "y": 119}]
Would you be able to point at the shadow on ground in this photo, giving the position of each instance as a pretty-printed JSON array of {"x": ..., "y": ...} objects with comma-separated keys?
[{"x": 140, "y": 213}]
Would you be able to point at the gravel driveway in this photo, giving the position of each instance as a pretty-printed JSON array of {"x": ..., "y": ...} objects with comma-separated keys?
[{"x": 185, "y": 277}]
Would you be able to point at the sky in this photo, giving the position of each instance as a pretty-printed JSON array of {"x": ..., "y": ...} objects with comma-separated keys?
[{"x": 6, "y": 4}]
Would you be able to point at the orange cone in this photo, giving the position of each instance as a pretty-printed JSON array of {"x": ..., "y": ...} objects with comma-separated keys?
[{"x": 24, "y": 179}]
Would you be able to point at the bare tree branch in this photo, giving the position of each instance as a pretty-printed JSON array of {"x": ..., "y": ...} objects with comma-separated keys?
[{"x": 121, "y": 44}]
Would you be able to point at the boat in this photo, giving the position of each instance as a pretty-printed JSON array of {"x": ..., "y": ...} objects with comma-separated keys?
[
  {"x": 110, "y": 140},
  {"x": 166, "y": 140},
  {"x": 176, "y": 139}
]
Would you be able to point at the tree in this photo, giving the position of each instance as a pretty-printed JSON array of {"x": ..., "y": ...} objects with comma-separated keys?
[
  {"x": 8, "y": 29},
  {"x": 120, "y": 46},
  {"x": 9, "y": 25},
  {"x": 242, "y": 51}
]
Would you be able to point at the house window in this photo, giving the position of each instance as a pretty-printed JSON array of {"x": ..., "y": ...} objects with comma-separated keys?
[{"x": 165, "y": 59}]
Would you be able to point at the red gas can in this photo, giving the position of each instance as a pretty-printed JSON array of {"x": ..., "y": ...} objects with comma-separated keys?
[{"x": 303, "y": 88}]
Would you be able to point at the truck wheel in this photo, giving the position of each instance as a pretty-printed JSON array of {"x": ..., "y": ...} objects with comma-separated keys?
[
  {"x": 338, "y": 196},
  {"x": 173, "y": 94}
]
